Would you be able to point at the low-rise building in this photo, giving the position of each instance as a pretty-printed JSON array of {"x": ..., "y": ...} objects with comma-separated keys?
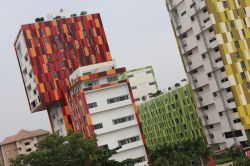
[
  {"x": 23, "y": 142},
  {"x": 171, "y": 117}
]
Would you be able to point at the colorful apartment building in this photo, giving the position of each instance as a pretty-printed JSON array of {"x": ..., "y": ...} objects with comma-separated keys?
[
  {"x": 212, "y": 37},
  {"x": 143, "y": 83},
  {"x": 171, "y": 117},
  {"x": 23, "y": 142},
  {"x": 68, "y": 70}
]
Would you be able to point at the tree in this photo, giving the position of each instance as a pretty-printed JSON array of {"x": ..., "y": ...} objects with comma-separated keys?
[
  {"x": 182, "y": 154},
  {"x": 70, "y": 150}
]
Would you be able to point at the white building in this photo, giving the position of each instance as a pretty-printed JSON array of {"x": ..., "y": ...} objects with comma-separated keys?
[
  {"x": 143, "y": 83},
  {"x": 202, "y": 59},
  {"x": 111, "y": 110}
]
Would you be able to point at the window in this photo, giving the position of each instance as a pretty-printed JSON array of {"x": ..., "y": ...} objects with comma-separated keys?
[
  {"x": 192, "y": 5},
  {"x": 28, "y": 150},
  {"x": 27, "y": 143},
  {"x": 198, "y": 37},
  {"x": 221, "y": 113},
  {"x": 237, "y": 45},
  {"x": 248, "y": 85},
  {"x": 237, "y": 120},
  {"x": 206, "y": 20},
  {"x": 130, "y": 76},
  {"x": 55, "y": 75},
  {"x": 230, "y": 100},
  {"x": 91, "y": 83},
  {"x": 218, "y": 59},
  {"x": 209, "y": 75},
  {"x": 222, "y": 69},
  {"x": 183, "y": 13},
  {"x": 237, "y": 55},
  {"x": 97, "y": 126},
  {"x": 243, "y": 76},
  {"x": 210, "y": 30},
  {"x": 231, "y": 134},
  {"x": 63, "y": 64},
  {"x": 216, "y": 49},
  {"x": 128, "y": 140},
  {"x": 232, "y": 23},
  {"x": 92, "y": 105},
  {"x": 48, "y": 58},
  {"x": 137, "y": 99},
  {"x": 243, "y": 65},
  {"x": 112, "y": 78},
  {"x": 192, "y": 18},
  {"x": 117, "y": 99},
  {"x": 134, "y": 87},
  {"x": 124, "y": 119},
  {"x": 152, "y": 83},
  {"x": 212, "y": 40},
  {"x": 224, "y": 4},
  {"x": 149, "y": 72},
  {"x": 224, "y": 80}
]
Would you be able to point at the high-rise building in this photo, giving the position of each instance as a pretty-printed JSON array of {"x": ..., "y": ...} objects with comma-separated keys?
[
  {"x": 171, "y": 117},
  {"x": 67, "y": 69},
  {"x": 143, "y": 83},
  {"x": 48, "y": 52},
  {"x": 23, "y": 142},
  {"x": 102, "y": 103},
  {"x": 212, "y": 37}
]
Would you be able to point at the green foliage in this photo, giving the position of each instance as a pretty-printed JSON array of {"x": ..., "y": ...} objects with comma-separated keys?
[
  {"x": 182, "y": 154},
  {"x": 71, "y": 150},
  {"x": 232, "y": 154},
  {"x": 242, "y": 161}
]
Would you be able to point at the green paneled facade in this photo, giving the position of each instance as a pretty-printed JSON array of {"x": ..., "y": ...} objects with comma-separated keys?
[{"x": 170, "y": 118}]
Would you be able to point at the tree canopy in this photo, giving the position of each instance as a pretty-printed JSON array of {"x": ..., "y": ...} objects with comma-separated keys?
[
  {"x": 183, "y": 154},
  {"x": 70, "y": 150}
]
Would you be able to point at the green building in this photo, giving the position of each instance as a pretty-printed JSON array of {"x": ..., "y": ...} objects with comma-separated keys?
[{"x": 171, "y": 117}]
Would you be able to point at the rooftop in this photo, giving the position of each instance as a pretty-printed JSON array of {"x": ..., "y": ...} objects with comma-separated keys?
[{"x": 24, "y": 134}]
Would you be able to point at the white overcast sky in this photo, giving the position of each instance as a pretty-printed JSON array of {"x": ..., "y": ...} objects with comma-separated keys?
[{"x": 138, "y": 32}]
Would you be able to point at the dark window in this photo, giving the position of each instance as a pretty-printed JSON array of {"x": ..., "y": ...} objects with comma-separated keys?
[
  {"x": 134, "y": 87},
  {"x": 137, "y": 99},
  {"x": 112, "y": 78},
  {"x": 237, "y": 45},
  {"x": 183, "y": 13},
  {"x": 27, "y": 143},
  {"x": 97, "y": 126},
  {"x": 124, "y": 119},
  {"x": 237, "y": 55},
  {"x": 128, "y": 140},
  {"x": 221, "y": 113},
  {"x": 224, "y": 4},
  {"x": 192, "y": 18},
  {"x": 149, "y": 72},
  {"x": 243, "y": 65},
  {"x": 243, "y": 76},
  {"x": 209, "y": 75},
  {"x": 248, "y": 85},
  {"x": 92, "y": 105},
  {"x": 55, "y": 75},
  {"x": 206, "y": 20},
  {"x": 203, "y": 56},
  {"x": 232, "y": 23},
  {"x": 28, "y": 150},
  {"x": 152, "y": 83},
  {"x": 117, "y": 99}
]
